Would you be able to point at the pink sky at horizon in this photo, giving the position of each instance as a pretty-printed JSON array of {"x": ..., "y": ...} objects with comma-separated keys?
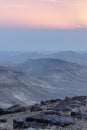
[{"x": 44, "y": 13}]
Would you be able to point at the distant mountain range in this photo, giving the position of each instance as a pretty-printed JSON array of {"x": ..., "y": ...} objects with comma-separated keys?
[
  {"x": 77, "y": 57},
  {"x": 14, "y": 58},
  {"x": 41, "y": 79}
]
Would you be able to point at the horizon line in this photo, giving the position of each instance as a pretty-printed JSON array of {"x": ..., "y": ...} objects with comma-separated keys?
[{"x": 44, "y": 27}]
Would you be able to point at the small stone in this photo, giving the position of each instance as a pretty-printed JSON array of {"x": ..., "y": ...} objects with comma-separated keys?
[
  {"x": 36, "y": 108},
  {"x": 19, "y": 123},
  {"x": 3, "y": 120},
  {"x": 77, "y": 114}
]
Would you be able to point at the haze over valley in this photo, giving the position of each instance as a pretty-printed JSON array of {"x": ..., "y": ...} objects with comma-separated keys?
[{"x": 41, "y": 77}]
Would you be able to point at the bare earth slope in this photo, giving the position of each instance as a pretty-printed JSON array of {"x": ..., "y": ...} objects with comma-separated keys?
[
  {"x": 59, "y": 78},
  {"x": 41, "y": 79}
]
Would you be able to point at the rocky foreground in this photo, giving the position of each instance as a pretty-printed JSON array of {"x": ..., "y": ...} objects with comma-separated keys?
[{"x": 59, "y": 114}]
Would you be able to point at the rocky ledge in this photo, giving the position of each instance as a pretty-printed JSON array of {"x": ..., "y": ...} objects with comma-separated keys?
[{"x": 58, "y": 114}]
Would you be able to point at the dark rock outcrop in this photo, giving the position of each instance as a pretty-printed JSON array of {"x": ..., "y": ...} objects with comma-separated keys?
[
  {"x": 51, "y": 119},
  {"x": 13, "y": 109},
  {"x": 42, "y": 119},
  {"x": 63, "y": 114},
  {"x": 68, "y": 105}
]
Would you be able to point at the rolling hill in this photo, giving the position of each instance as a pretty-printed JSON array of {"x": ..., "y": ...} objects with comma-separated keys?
[
  {"x": 41, "y": 79},
  {"x": 71, "y": 56}
]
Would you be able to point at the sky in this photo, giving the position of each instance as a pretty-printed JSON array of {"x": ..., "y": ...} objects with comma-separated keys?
[
  {"x": 44, "y": 13},
  {"x": 43, "y": 25}
]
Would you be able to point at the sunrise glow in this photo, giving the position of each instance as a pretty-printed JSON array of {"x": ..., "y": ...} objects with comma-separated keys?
[{"x": 43, "y": 13}]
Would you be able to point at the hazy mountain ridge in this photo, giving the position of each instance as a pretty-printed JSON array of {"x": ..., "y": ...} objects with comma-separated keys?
[
  {"x": 49, "y": 66},
  {"x": 15, "y": 58},
  {"x": 72, "y": 56}
]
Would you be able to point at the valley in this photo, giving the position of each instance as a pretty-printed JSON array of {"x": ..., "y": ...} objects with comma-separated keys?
[{"x": 41, "y": 79}]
